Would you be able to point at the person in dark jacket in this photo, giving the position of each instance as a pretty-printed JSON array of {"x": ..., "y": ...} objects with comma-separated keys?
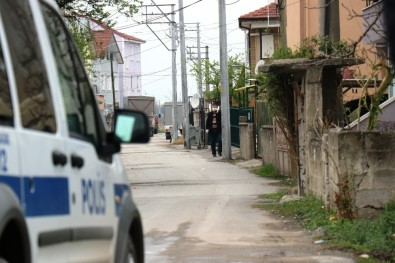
[{"x": 213, "y": 124}]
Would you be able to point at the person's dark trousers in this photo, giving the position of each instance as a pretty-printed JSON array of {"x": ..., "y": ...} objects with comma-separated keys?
[{"x": 216, "y": 138}]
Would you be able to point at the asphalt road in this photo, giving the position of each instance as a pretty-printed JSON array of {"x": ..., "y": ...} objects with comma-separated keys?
[{"x": 197, "y": 208}]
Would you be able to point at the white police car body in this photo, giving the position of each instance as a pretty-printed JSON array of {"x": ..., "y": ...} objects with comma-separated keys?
[{"x": 64, "y": 196}]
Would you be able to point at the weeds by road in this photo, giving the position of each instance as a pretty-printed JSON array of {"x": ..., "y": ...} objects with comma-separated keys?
[{"x": 370, "y": 240}]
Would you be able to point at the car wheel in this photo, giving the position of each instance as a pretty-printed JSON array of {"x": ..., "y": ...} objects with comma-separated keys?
[{"x": 130, "y": 253}]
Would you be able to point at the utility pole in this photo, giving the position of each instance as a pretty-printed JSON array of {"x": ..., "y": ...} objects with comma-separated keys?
[
  {"x": 174, "y": 111},
  {"x": 199, "y": 59},
  {"x": 223, "y": 49},
  {"x": 112, "y": 85},
  {"x": 207, "y": 70},
  {"x": 184, "y": 84},
  {"x": 173, "y": 29},
  {"x": 283, "y": 22},
  {"x": 200, "y": 84}
]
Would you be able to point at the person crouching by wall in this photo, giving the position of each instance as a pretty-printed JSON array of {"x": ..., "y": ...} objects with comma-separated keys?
[{"x": 213, "y": 124}]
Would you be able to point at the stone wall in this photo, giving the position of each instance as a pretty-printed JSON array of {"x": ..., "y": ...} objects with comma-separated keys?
[{"x": 363, "y": 162}]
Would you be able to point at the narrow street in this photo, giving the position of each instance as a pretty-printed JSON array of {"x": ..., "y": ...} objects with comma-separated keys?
[{"x": 197, "y": 208}]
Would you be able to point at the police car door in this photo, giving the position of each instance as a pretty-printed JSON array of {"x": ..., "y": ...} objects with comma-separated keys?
[
  {"x": 42, "y": 159},
  {"x": 91, "y": 185}
]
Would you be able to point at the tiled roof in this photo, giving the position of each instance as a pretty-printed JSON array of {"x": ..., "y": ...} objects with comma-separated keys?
[
  {"x": 116, "y": 32},
  {"x": 102, "y": 41},
  {"x": 270, "y": 11},
  {"x": 126, "y": 36}
]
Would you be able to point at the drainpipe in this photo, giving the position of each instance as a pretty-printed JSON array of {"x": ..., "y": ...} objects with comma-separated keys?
[
  {"x": 322, "y": 17},
  {"x": 333, "y": 20}
]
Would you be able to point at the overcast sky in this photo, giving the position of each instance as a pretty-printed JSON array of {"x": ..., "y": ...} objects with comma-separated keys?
[{"x": 156, "y": 59}]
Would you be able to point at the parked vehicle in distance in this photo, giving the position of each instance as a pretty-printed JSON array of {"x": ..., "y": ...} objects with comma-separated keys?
[
  {"x": 64, "y": 193},
  {"x": 168, "y": 117},
  {"x": 145, "y": 104}
]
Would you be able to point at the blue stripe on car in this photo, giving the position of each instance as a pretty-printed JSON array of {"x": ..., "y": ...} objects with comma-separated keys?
[{"x": 43, "y": 196}]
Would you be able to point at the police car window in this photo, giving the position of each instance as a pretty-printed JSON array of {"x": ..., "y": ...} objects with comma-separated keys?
[
  {"x": 6, "y": 112},
  {"x": 34, "y": 95},
  {"x": 77, "y": 95}
]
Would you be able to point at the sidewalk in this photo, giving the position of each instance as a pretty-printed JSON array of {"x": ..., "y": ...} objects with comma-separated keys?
[{"x": 236, "y": 157}]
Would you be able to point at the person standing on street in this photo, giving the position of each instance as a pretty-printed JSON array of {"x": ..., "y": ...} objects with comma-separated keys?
[{"x": 213, "y": 124}]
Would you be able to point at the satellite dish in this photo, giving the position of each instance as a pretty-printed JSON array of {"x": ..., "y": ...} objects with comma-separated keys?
[
  {"x": 195, "y": 101},
  {"x": 259, "y": 64}
]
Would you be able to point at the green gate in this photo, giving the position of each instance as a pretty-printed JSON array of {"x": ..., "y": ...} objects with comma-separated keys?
[{"x": 235, "y": 113}]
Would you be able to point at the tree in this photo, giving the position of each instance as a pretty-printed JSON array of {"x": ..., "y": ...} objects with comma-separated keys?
[
  {"x": 212, "y": 77},
  {"x": 84, "y": 40},
  {"x": 99, "y": 10}
]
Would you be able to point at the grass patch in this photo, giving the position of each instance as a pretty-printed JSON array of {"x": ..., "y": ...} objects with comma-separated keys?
[
  {"x": 374, "y": 237},
  {"x": 269, "y": 171},
  {"x": 274, "y": 196}
]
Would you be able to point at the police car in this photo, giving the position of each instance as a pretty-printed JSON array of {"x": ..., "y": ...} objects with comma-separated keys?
[{"x": 64, "y": 196}]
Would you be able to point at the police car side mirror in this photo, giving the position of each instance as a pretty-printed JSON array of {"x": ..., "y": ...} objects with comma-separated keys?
[{"x": 131, "y": 127}]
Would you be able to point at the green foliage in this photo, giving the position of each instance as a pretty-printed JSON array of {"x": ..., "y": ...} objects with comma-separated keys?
[
  {"x": 282, "y": 53},
  {"x": 84, "y": 41},
  {"x": 316, "y": 47},
  {"x": 99, "y": 10},
  {"x": 372, "y": 236},
  {"x": 276, "y": 93},
  {"x": 280, "y": 98},
  {"x": 376, "y": 238},
  {"x": 211, "y": 75}
]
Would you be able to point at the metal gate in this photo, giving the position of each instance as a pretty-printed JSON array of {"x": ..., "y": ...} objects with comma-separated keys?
[
  {"x": 235, "y": 113},
  {"x": 234, "y": 127}
]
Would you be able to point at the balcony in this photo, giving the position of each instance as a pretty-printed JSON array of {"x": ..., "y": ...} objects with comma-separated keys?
[{"x": 373, "y": 22}]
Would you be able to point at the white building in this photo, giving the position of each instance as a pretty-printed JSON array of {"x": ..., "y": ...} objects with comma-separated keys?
[{"x": 126, "y": 64}]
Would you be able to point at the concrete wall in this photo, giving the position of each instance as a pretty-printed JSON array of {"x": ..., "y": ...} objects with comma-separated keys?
[
  {"x": 367, "y": 162},
  {"x": 313, "y": 113},
  {"x": 247, "y": 147}
]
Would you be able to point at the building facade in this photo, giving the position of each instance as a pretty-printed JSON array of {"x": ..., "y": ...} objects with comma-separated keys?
[
  {"x": 127, "y": 76},
  {"x": 262, "y": 31}
]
